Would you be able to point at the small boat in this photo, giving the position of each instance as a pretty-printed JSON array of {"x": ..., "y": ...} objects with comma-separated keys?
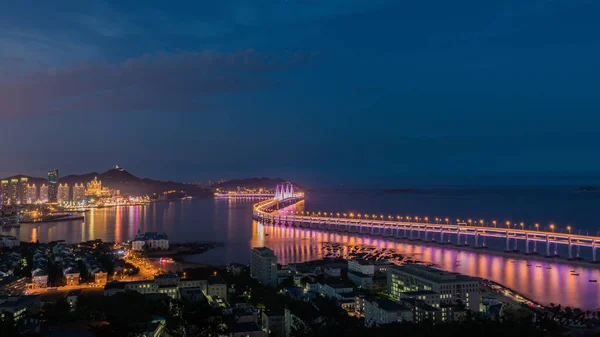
[
  {"x": 548, "y": 267},
  {"x": 571, "y": 271},
  {"x": 267, "y": 234},
  {"x": 575, "y": 274},
  {"x": 528, "y": 265},
  {"x": 538, "y": 266},
  {"x": 593, "y": 281}
]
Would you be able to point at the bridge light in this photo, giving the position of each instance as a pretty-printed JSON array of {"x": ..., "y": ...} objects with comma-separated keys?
[
  {"x": 552, "y": 227},
  {"x": 537, "y": 226},
  {"x": 569, "y": 229}
]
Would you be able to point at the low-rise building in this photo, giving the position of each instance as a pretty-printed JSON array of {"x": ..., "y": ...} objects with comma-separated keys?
[
  {"x": 361, "y": 266},
  {"x": 9, "y": 241},
  {"x": 361, "y": 280},
  {"x": 151, "y": 240},
  {"x": 274, "y": 323},
  {"x": 217, "y": 287},
  {"x": 452, "y": 288},
  {"x": 381, "y": 311},
  {"x": 19, "y": 306}
]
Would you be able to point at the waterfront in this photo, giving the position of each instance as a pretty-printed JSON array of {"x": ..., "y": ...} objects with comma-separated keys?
[{"x": 230, "y": 222}]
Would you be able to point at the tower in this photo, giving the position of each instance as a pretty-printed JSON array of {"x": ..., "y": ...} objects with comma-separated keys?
[{"x": 53, "y": 185}]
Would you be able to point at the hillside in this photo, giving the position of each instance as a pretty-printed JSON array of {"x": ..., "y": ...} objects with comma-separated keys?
[{"x": 127, "y": 183}]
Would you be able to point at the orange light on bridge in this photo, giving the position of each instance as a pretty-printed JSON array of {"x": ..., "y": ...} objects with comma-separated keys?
[
  {"x": 537, "y": 226},
  {"x": 569, "y": 229},
  {"x": 552, "y": 227}
]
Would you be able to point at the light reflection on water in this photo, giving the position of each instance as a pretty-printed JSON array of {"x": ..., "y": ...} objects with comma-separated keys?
[
  {"x": 544, "y": 285},
  {"x": 230, "y": 222}
]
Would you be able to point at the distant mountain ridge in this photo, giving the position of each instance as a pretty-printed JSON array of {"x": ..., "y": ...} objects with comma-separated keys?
[
  {"x": 264, "y": 182},
  {"x": 126, "y": 182}
]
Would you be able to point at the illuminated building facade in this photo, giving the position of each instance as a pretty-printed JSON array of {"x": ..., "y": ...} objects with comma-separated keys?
[
  {"x": 78, "y": 192},
  {"x": 31, "y": 193},
  {"x": 23, "y": 190},
  {"x": 53, "y": 185},
  {"x": 95, "y": 190},
  {"x": 63, "y": 194},
  {"x": 14, "y": 191},
  {"x": 5, "y": 194},
  {"x": 44, "y": 193}
]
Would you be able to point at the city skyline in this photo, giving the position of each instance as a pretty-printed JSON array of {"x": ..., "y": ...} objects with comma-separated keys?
[{"x": 336, "y": 93}]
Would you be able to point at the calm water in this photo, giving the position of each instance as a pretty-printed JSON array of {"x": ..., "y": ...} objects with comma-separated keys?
[{"x": 230, "y": 222}]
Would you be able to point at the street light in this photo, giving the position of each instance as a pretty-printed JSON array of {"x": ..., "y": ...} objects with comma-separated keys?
[
  {"x": 537, "y": 226},
  {"x": 522, "y": 226},
  {"x": 508, "y": 224},
  {"x": 552, "y": 227},
  {"x": 569, "y": 229},
  {"x": 494, "y": 222}
]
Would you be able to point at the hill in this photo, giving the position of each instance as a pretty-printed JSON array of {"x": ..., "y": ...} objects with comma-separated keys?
[{"x": 128, "y": 183}]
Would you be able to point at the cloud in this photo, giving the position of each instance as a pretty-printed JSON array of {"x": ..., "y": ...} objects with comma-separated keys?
[{"x": 169, "y": 82}]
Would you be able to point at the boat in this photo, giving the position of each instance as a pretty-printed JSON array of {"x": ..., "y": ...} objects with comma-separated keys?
[
  {"x": 575, "y": 274},
  {"x": 548, "y": 267},
  {"x": 528, "y": 265},
  {"x": 593, "y": 281},
  {"x": 538, "y": 266}
]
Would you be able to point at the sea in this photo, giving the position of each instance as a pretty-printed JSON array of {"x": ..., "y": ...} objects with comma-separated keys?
[{"x": 229, "y": 221}]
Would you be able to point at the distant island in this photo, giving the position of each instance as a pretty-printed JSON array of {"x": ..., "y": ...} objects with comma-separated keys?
[
  {"x": 588, "y": 189},
  {"x": 400, "y": 190}
]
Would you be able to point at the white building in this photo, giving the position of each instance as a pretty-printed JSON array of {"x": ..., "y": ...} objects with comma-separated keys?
[
  {"x": 8, "y": 241},
  {"x": 263, "y": 266},
  {"x": 216, "y": 287},
  {"x": 383, "y": 311},
  {"x": 152, "y": 240},
  {"x": 361, "y": 266},
  {"x": 452, "y": 288}
]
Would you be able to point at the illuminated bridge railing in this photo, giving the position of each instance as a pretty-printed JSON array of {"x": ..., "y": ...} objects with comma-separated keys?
[
  {"x": 244, "y": 195},
  {"x": 267, "y": 211}
]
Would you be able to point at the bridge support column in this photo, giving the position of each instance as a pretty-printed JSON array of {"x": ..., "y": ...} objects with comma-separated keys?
[
  {"x": 526, "y": 243},
  {"x": 442, "y": 235},
  {"x": 547, "y": 246},
  {"x": 458, "y": 237},
  {"x": 411, "y": 232},
  {"x": 535, "y": 247},
  {"x": 516, "y": 241},
  {"x": 578, "y": 246},
  {"x": 593, "y": 251},
  {"x": 425, "y": 233},
  {"x": 476, "y": 239},
  {"x": 570, "y": 250},
  {"x": 555, "y": 248},
  {"x": 405, "y": 232},
  {"x": 507, "y": 242}
]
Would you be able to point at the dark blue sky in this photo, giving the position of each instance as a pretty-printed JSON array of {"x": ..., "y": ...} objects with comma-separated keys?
[{"x": 338, "y": 91}]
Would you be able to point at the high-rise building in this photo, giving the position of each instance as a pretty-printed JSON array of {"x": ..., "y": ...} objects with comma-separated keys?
[
  {"x": 23, "y": 189},
  {"x": 44, "y": 193},
  {"x": 31, "y": 194},
  {"x": 5, "y": 188},
  {"x": 78, "y": 192},
  {"x": 263, "y": 266},
  {"x": 14, "y": 191},
  {"x": 53, "y": 185},
  {"x": 63, "y": 194}
]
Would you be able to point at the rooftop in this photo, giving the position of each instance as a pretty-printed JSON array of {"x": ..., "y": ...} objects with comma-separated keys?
[
  {"x": 389, "y": 305},
  {"x": 216, "y": 280},
  {"x": 263, "y": 251},
  {"x": 419, "y": 293},
  {"x": 433, "y": 274}
]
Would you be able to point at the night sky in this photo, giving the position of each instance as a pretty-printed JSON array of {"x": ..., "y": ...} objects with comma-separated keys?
[{"x": 325, "y": 92}]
